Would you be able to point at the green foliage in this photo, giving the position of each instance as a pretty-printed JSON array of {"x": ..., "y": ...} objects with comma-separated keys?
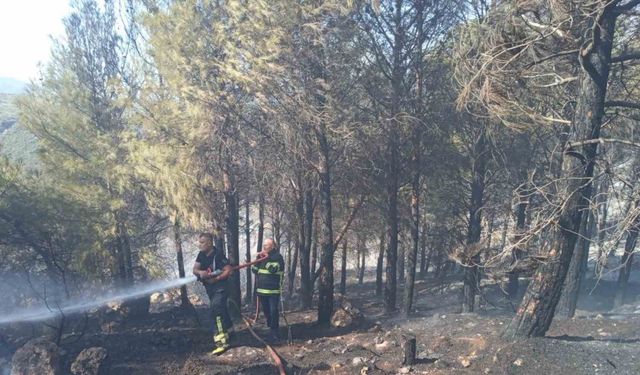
[
  {"x": 77, "y": 114},
  {"x": 39, "y": 222}
]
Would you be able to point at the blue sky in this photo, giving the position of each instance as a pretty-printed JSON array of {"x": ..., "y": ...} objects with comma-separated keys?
[{"x": 25, "y": 29}]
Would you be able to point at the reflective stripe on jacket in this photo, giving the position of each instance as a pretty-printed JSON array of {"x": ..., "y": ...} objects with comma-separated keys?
[{"x": 270, "y": 274}]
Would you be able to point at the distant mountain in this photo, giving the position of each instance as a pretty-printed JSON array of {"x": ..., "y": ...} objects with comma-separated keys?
[
  {"x": 11, "y": 86},
  {"x": 16, "y": 142},
  {"x": 20, "y": 146},
  {"x": 8, "y": 112}
]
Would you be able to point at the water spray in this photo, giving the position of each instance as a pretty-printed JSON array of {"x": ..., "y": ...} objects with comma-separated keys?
[
  {"x": 49, "y": 312},
  {"x": 44, "y": 313}
]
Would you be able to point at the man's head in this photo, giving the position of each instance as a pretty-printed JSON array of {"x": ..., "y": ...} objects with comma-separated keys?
[
  {"x": 205, "y": 241},
  {"x": 269, "y": 245}
]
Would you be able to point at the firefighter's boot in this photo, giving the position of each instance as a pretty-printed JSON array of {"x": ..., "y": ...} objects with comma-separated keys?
[{"x": 222, "y": 343}]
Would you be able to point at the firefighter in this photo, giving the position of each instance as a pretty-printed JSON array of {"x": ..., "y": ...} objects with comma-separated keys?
[
  {"x": 269, "y": 277},
  {"x": 213, "y": 269}
]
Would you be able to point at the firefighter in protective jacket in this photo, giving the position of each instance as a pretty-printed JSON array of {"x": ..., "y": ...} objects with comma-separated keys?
[
  {"x": 213, "y": 269},
  {"x": 269, "y": 278}
]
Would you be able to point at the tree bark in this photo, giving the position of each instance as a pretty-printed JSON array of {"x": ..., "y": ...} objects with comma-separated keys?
[
  {"x": 416, "y": 165},
  {"x": 325, "y": 289},
  {"x": 177, "y": 241},
  {"x": 401, "y": 263},
  {"x": 408, "y": 350},
  {"x": 423, "y": 252},
  {"x": 626, "y": 262},
  {"x": 392, "y": 177},
  {"x": 538, "y": 306},
  {"x": 343, "y": 269},
  {"x": 602, "y": 225},
  {"x": 575, "y": 274},
  {"x": 471, "y": 271},
  {"x": 260, "y": 223},
  {"x": 415, "y": 225},
  {"x": 314, "y": 254},
  {"x": 379, "y": 265},
  {"x": 294, "y": 266},
  {"x": 362, "y": 259},
  {"x": 521, "y": 216},
  {"x": 123, "y": 251},
  {"x": 306, "y": 282},
  {"x": 232, "y": 230},
  {"x": 247, "y": 237}
]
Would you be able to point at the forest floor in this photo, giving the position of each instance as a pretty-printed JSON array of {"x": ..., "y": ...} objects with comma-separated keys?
[{"x": 597, "y": 341}]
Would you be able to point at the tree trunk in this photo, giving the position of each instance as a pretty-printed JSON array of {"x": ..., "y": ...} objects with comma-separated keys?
[
  {"x": 392, "y": 177},
  {"x": 275, "y": 224},
  {"x": 260, "y": 223},
  {"x": 128, "y": 256},
  {"x": 408, "y": 345},
  {"x": 505, "y": 230},
  {"x": 294, "y": 266},
  {"x": 538, "y": 306},
  {"x": 575, "y": 274},
  {"x": 415, "y": 226},
  {"x": 379, "y": 265},
  {"x": 392, "y": 244},
  {"x": 438, "y": 261},
  {"x": 602, "y": 225},
  {"x": 416, "y": 165},
  {"x": 363, "y": 258},
  {"x": 287, "y": 259},
  {"x": 218, "y": 238},
  {"x": 471, "y": 271},
  {"x": 325, "y": 289},
  {"x": 516, "y": 254},
  {"x": 247, "y": 237},
  {"x": 306, "y": 282},
  {"x": 123, "y": 251},
  {"x": 626, "y": 262},
  {"x": 314, "y": 254},
  {"x": 177, "y": 241},
  {"x": 423, "y": 253},
  {"x": 232, "y": 230},
  {"x": 343, "y": 269},
  {"x": 401, "y": 263}
]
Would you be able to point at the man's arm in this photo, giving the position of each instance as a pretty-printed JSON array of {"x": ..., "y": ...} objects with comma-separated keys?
[
  {"x": 197, "y": 271},
  {"x": 226, "y": 272}
]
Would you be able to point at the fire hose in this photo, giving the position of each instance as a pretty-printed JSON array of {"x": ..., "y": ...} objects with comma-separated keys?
[
  {"x": 272, "y": 352},
  {"x": 248, "y": 322}
]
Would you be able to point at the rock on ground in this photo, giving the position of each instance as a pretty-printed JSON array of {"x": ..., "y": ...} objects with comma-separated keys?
[
  {"x": 92, "y": 361},
  {"x": 36, "y": 357}
]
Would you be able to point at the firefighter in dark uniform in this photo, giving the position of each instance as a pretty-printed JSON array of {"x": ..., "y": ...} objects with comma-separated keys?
[
  {"x": 212, "y": 269},
  {"x": 269, "y": 277}
]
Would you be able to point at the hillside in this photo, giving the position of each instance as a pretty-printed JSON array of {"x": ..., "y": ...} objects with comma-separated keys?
[
  {"x": 11, "y": 86},
  {"x": 15, "y": 141}
]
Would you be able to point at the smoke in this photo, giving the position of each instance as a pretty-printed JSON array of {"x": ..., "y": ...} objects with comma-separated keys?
[{"x": 80, "y": 305}]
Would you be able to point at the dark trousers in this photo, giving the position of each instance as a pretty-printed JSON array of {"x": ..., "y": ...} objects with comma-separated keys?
[
  {"x": 270, "y": 304},
  {"x": 221, "y": 319}
]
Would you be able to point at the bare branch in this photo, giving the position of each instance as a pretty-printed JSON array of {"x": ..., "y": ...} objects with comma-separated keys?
[
  {"x": 603, "y": 141},
  {"x": 634, "y": 55},
  {"x": 622, "y": 103}
]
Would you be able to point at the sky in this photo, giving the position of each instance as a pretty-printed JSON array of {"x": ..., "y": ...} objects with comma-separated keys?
[{"x": 25, "y": 30}]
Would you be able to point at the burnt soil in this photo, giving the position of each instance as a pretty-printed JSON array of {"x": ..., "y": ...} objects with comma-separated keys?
[{"x": 598, "y": 340}]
